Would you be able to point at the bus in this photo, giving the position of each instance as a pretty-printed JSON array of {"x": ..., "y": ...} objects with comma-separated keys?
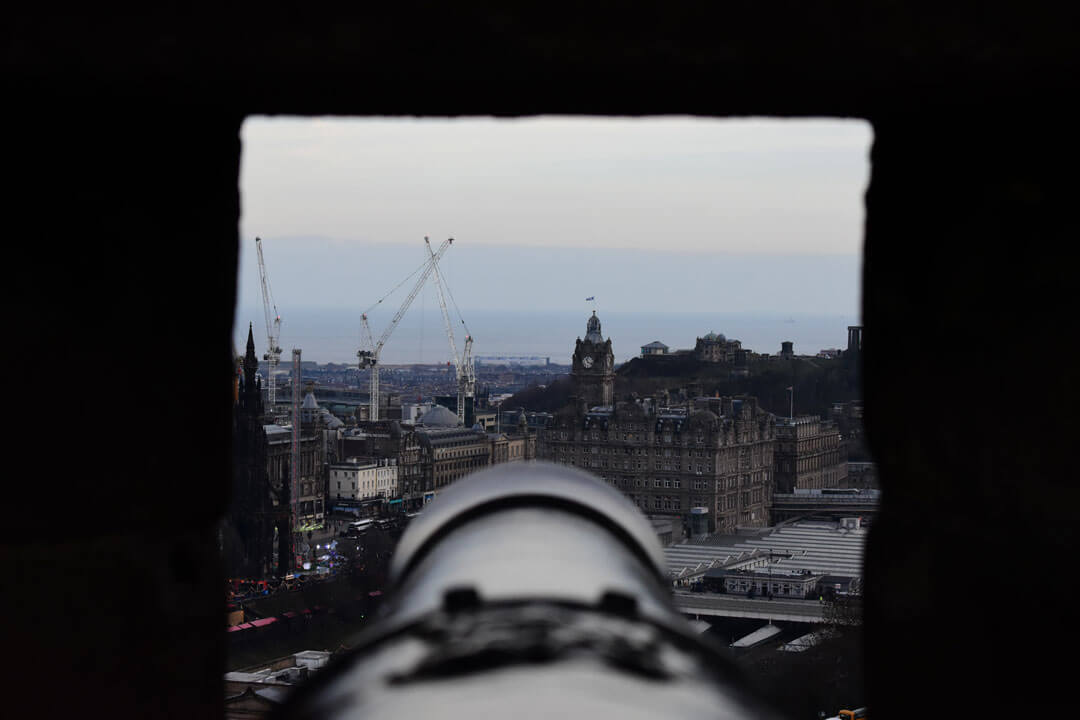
[{"x": 360, "y": 527}]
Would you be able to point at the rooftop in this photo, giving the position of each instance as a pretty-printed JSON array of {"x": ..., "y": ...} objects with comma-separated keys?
[
  {"x": 798, "y": 420},
  {"x": 817, "y": 546},
  {"x": 288, "y": 670},
  {"x": 450, "y": 436},
  {"x": 363, "y": 462},
  {"x": 439, "y": 417}
]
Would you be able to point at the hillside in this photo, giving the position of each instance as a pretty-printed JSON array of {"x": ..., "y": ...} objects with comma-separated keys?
[
  {"x": 542, "y": 399},
  {"x": 818, "y": 383}
]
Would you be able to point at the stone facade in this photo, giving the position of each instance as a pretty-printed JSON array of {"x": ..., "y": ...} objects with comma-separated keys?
[
  {"x": 512, "y": 447},
  {"x": 862, "y": 476},
  {"x": 810, "y": 454},
  {"x": 593, "y": 367},
  {"x": 364, "y": 479},
  {"x": 310, "y": 505},
  {"x": 849, "y": 421},
  {"x": 429, "y": 458},
  {"x": 447, "y": 454},
  {"x": 717, "y": 348},
  {"x": 487, "y": 418},
  {"x": 390, "y": 439},
  {"x": 669, "y": 461},
  {"x": 654, "y": 348}
]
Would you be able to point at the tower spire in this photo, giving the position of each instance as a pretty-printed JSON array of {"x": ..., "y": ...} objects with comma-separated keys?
[
  {"x": 592, "y": 329},
  {"x": 251, "y": 367}
]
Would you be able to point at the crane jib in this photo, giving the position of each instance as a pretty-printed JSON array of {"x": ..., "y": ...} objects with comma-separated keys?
[
  {"x": 412, "y": 295},
  {"x": 370, "y": 358},
  {"x": 273, "y": 329}
]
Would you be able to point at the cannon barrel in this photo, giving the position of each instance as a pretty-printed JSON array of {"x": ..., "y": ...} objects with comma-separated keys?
[{"x": 528, "y": 590}]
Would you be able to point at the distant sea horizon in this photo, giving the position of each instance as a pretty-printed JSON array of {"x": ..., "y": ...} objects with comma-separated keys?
[{"x": 332, "y": 335}]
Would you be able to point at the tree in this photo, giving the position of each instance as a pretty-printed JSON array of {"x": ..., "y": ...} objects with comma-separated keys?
[{"x": 842, "y": 613}]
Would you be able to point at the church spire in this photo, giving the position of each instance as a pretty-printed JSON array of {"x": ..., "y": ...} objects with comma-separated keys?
[
  {"x": 250, "y": 354},
  {"x": 251, "y": 362}
]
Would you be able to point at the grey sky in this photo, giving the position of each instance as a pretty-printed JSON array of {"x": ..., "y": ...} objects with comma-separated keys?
[{"x": 545, "y": 210}]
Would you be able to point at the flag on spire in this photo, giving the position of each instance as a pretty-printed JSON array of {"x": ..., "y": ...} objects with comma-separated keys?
[{"x": 590, "y": 298}]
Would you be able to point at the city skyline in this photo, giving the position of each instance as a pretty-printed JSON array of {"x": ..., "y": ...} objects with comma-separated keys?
[{"x": 331, "y": 336}]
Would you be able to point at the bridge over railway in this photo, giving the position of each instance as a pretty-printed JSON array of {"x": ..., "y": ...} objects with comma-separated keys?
[
  {"x": 700, "y": 605},
  {"x": 786, "y": 506}
]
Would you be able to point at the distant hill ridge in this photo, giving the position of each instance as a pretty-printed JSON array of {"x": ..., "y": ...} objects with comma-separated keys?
[{"x": 818, "y": 383}]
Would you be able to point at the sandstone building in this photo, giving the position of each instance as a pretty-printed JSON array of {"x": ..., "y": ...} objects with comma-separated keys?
[
  {"x": 359, "y": 479},
  {"x": 450, "y": 453},
  {"x": 593, "y": 367},
  {"x": 714, "y": 347},
  {"x": 390, "y": 440},
  {"x": 666, "y": 459},
  {"x": 432, "y": 454},
  {"x": 513, "y": 446},
  {"x": 654, "y": 348},
  {"x": 810, "y": 454}
]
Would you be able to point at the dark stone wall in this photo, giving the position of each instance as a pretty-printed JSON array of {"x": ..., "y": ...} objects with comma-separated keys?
[
  {"x": 967, "y": 287},
  {"x": 122, "y": 155},
  {"x": 120, "y": 271}
]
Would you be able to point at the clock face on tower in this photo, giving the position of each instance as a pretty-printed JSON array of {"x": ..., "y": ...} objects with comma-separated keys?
[{"x": 593, "y": 367}]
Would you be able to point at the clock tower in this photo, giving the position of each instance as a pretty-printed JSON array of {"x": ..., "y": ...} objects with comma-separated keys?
[{"x": 594, "y": 366}]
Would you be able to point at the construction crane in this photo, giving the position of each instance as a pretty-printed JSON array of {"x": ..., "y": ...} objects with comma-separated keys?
[
  {"x": 463, "y": 364},
  {"x": 294, "y": 462},
  {"x": 368, "y": 356},
  {"x": 273, "y": 332}
]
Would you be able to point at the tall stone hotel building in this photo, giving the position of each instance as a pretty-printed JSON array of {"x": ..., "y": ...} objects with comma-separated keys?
[
  {"x": 666, "y": 460},
  {"x": 810, "y": 455}
]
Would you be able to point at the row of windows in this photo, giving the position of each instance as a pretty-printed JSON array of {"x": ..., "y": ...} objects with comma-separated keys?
[
  {"x": 727, "y": 462},
  {"x": 742, "y": 435},
  {"x": 370, "y": 484},
  {"x": 658, "y": 502},
  {"x": 757, "y": 493},
  {"x": 733, "y": 501},
  {"x": 642, "y": 465},
  {"x": 476, "y": 450},
  {"x": 460, "y": 464},
  {"x": 605, "y": 450},
  {"x": 626, "y": 483},
  {"x": 627, "y": 436},
  {"x": 788, "y": 589}
]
